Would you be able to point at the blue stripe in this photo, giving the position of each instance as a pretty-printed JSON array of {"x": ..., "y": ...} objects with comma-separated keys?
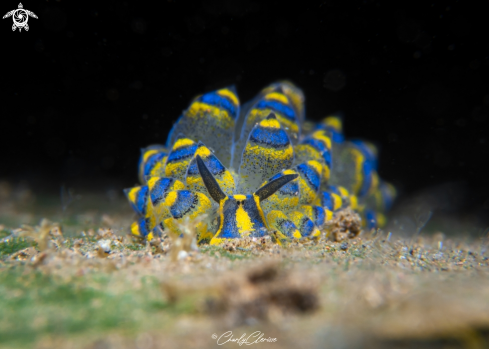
[
  {"x": 288, "y": 227},
  {"x": 366, "y": 151},
  {"x": 143, "y": 227},
  {"x": 290, "y": 189},
  {"x": 327, "y": 158},
  {"x": 182, "y": 153},
  {"x": 193, "y": 170},
  {"x": 319, "y": 146},
  {"x": 326, "y": 200},
  {"x": 274, "y": 137},
  {"x": 216, "y": 100},
  {"x": 278, "y": 175},
  {"x": 212, "y": 163},
  {"x": 229, "y": 227},
  {"x": 316, "y": 144},
  {"x": 337, "y": 136},
  {"x": 319, "y": 215},
  {"x": 310, "y": 175},
  {"x": 141, "y": 198},
  {"x": 306, "y": 227},
  {"x": 279, "y": 107},
  {"x": 371, "y": 219},
  {"x": 160, "y": 189},
  {"x": 367, "y": 178},
  {"x": 333, "y": 189},
  {"x": 184, "y": 202},
  {"x": 151, "y": 162}
]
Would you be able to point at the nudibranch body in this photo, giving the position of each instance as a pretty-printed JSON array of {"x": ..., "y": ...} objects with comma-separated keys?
[{"x": 255, "y": 171}]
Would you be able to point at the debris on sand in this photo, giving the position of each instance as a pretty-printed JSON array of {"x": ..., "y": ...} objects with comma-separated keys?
[
  {"x": 347, "y": 224},
  {"x": 264, "y": 291}
]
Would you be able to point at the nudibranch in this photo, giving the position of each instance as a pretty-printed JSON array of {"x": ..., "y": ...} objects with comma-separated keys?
[{"x": 255, "y": 170}]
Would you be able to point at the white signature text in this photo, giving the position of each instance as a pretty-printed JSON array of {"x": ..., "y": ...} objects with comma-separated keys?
[{"x": 254, "y": 338}]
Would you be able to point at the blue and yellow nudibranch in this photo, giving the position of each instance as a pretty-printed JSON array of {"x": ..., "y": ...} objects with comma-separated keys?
[{"x": 256, "y": 170}]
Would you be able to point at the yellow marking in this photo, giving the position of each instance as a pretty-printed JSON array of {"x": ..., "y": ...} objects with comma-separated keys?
[
  {"x": 329, "y": 215},
  {"x": 221, "y": 215},
  {"x": 372, "y": 148},
  {"x": 343, "y": 191},
  {"x": 280, "y": 202},
  {"x": 353, "y": 202},
  {"x": 150, "y": 210},
  {"x": 204, "y": 111},
  {"x": 278, "y": 97},
  {"x": 321, "y": 136},
  {"x": 275, "y": 215},
  {"x": 159, "y": 168},
  {"x": 287, "y": 172},
  {"x": 230, "y": 94},
  {"x": 198, "y": 109},
  {"x": 270, "y": 123},
  {"x": 204, "y": 152},
  {"x": 177, "y": 185},
  {"x": 315, "y": 233},
  {"x": 226, "y": 182},
  {"x": 219, "y": 241},
  {"x": 306, "y": 152},
  {"x": 177, "y": 170},
  {"x": 287, "y": 123},
  {"x": 269, "y": 153},
  {"x": 195, "y": 181},
  {"x": 262, "y": 215},
  {"x": 203, "y": 206},
  {"x": 337, "y": 202},
  {"x": 256, "y": 115},
  {"x": 375, "y": 182},
  {"x": 133, "y": 194},
  {"x": 170, "y": 224},
  {"x": 148, "y": 153},
  {"x": 309, "y": 212},
  {"x": 334, "y": 122},
  {"x": 295, "y": 216},
  {"x": 316, "y": 165},
  {"x": 381, "y": 220},
  {"x": 240, "y": 197},
  {"x": 307, "y": 195},
  {"x": 294, "y": 95},
  {"x": 297, "y": 234},
  {"x": 152, "y": 181},
  {"x": 279, "y": 238},
  {"x": 161, "y": 212},
  {"x": 182, "y": 143},
  {"x": 135, "y": 229},
  {"x": 358, "y": 158},
  {"x": 171, "y": 198},
  {"x": 203, "y": 232},
  {"x": 149, "y": 237},
  {"x": 326, "y": 174},
  {"x": 243, "y": 220}
]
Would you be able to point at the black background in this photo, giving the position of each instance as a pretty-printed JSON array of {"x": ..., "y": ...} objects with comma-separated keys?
[{"x": 89, "y": 84}]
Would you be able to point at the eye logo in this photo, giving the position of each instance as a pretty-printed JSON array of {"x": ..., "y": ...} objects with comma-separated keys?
[{"x": 20, "y": 17}]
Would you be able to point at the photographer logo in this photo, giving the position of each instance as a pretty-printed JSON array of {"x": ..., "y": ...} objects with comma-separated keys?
[{"x": 20, "y": 17}]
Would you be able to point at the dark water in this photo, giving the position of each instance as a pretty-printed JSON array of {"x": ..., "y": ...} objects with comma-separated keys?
[{"x": 89, "y": 84}]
